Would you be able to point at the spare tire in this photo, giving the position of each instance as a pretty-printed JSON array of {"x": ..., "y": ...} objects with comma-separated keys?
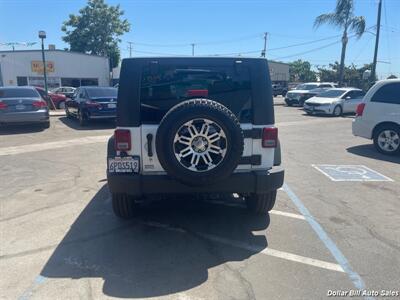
[{"x": 199, "y": 142}]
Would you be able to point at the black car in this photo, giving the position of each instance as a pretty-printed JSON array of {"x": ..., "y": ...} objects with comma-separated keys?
[
  {"x": 90, "y": 102},
  {"x": 278, "y": 89}
]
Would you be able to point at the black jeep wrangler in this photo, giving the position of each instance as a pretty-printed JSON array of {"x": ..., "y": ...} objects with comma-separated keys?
[{"x": 194, "y": 125}]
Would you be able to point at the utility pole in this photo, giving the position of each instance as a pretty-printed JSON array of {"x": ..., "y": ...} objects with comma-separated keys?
[
  {"x": 193, "y": 49},
  {"x": 130, "y": 48},
  {"x": 264, "y": 51},
  {"x": 378, "y": 29}
]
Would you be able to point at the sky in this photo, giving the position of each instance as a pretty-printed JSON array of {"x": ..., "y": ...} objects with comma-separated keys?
[{"x": 220, "y": 27}]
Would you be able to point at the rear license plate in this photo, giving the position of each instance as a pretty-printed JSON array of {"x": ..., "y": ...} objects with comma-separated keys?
[
  {"x": 19, "y": 106},
  {"x": 127, "y": 164},
  {"x": 111, "y": 105}
]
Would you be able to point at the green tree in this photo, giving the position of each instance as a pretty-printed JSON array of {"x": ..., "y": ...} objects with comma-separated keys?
[
  {"x": 343, "y": 18},
  {"x": 352, "y": 76},
  {"x": 96, "y": 30},
  {"x": 300, "y": 70}
]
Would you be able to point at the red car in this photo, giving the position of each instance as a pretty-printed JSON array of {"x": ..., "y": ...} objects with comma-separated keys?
[{"x": 58, "y": 99}]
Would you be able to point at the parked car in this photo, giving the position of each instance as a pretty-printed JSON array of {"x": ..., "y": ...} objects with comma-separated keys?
[
  {"x": 334, "y": 102},
  {"x": 90, "y": 102},
  {"x": 278, "y": 89},
  {"x": 194, "y": 125},
  {"x": 378, "y": 116},
  {"x": 317, "y": 91},
  {"x": 57, "y": 99},
  {"x": 67, "y": 91},
  {"x": 23, "y": 105},
  {"x": 302, "y": 92}
]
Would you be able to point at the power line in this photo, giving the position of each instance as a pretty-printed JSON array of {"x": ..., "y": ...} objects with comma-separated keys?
[
  {"x": 315, "y": 49},
  {"x": 305, "y": 43},
  {"x": 309, "y": 51},
  {"x": 201, "y": 43}
]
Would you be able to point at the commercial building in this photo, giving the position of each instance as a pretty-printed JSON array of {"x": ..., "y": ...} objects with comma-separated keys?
[
  {"x": 279, "y": 72},
  {"x": 63, "y": 68}
]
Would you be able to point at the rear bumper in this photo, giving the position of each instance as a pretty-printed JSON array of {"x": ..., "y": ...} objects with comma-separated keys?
[
  {"x": 40, "y": 116},
  {"x": 360, "y": 128},
  {"x": 251, "y": 182},
  {"x": 94, "y": 117},
  {"x": 96, "y": 114}
]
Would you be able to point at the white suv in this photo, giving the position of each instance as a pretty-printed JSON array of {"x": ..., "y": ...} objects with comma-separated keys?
[
  {"x": 378, "y": 117},
  {"x": 194, "y": 126}
]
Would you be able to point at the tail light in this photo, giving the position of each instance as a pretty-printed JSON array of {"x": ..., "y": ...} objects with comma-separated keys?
[
  {"x": 3, "y": 105},
  {"x": 197, "y": 93},
  {"x": 270, "y": 137},
  {"x": 92, "y": 104},
  {"x": 360, "y": 109},
  {"x": 122, "y": 140},
  {"x": 39, "y": 104}
]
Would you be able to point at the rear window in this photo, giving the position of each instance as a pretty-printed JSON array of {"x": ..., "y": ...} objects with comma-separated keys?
[
  {"x": 18, "y": 93},
  {"x": 389, "y": 93},
  {"x": 167, "y": 86},
  {"x": 102, "y": 92}
]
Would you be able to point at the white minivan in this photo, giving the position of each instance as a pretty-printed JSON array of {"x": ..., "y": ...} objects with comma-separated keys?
[{"x": 378, "y": 116}]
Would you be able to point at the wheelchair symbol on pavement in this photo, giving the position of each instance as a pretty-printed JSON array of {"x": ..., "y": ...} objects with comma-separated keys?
[{"x": 350, "y": 173}]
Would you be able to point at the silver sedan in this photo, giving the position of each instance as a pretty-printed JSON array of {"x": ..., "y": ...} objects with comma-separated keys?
[{"x": 23, "y": 105}]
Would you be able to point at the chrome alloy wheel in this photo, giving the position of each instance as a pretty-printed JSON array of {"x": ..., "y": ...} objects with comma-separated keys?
[
  {"x": 200, "y": 145},
  {"x": 389, "y": 140}
]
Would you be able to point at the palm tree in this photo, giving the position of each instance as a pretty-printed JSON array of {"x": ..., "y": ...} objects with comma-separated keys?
[{"x": 343, "y": 18}]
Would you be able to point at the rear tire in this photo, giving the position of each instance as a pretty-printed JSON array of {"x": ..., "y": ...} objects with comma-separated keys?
[
  {"x": 261, "y": 203},
  {"x": 46, "y": 125},
  {"x": 391, "y": 146},
  {"x": 124, "y": 206}
]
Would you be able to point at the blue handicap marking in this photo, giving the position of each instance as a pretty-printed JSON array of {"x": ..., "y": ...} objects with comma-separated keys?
[{"x": 350, "y": 173}]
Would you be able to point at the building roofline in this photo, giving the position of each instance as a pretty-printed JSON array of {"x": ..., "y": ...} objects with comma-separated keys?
[{"x": 55, "y": 50}]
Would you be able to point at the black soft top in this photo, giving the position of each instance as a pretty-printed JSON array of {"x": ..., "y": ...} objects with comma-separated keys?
[{"x": 128, "y": 111}]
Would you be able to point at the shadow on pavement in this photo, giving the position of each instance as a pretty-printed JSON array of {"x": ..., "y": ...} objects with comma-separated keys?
[
  {"x": 344, "y": 116},
  {"x": 20, "y": 129},
  {"x": 162, "y": 251},
  {"x": 369, "y": 151},
  {"x": 92, "y": 124}
]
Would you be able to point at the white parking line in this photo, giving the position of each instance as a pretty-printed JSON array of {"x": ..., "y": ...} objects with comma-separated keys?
[
  {"x": 286, "y": 214},
  {"x": 328, "y": 242},
  {"x": 259, "y": 249},
  {"x": 53, "y": 145},
  {"x": 242, "y": 205}
]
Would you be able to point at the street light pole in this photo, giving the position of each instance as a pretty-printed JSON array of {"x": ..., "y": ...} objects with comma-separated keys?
[{"x": 42, "y": 36}]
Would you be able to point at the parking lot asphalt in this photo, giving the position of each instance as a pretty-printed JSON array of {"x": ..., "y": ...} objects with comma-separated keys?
[{"x": 60, "y": 240}]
